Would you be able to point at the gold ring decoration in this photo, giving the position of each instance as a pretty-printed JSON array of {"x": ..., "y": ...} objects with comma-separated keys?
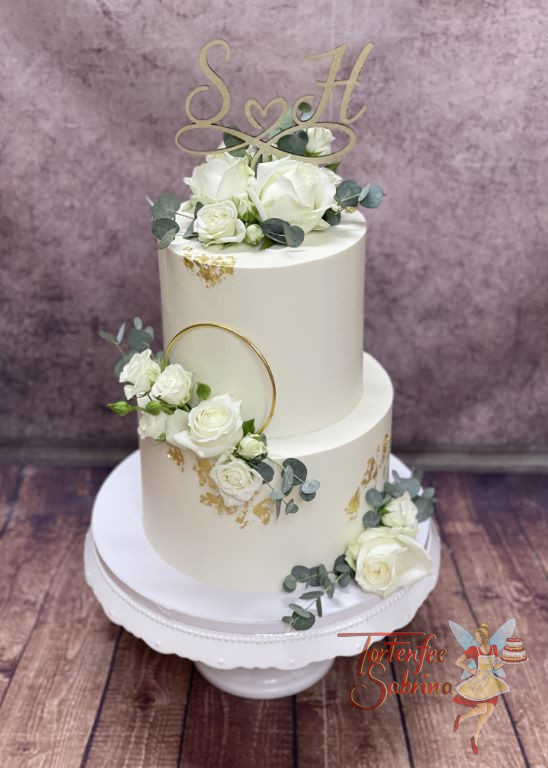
[{"x": 238, "y": 335}]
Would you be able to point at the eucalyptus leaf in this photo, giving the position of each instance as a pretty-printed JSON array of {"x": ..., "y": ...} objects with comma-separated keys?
[
  {"x": 301, "y": 623},
  {"x": 305, "y": 110},
  {"x": 313, "y": 595},
  {"x": 330, "y": 590},
  {"x": 106, "y": 336},
  {"x": 164, "y": 230},
  {"x": 347, "y": 193},
  {"x": 276, "y": 494},
  {"x": 138, "y": 323},
  {"x": 287, "y": 479},
  {"x": 120, "y": 334},
  {"x": 374, "y": 197},
  {"x": 332, "y": 217},
  {"x": 319, "y": 609},
  {"x": 265, "y": 470},
  {"x": 234, "y": 141},
  {"x": 345, "y": 579},
  {"x": 189, "y": 231},
  {"x": 278, "y": 504},
  {"x": 289, "y": 583},
  {"x": 300, "y": 572},
  {"x": 138, "y": 340},
  {"x": 299, "y": 610},
  {"x": 287, "y": 619},
  {"x": 310, "y": 486},
  {"x": 299, "y": 469},
  {"x": 294, "y": 235},
  {"x": 293, "y": 143},
  {"x": 374, "y": 498},
  {"x": 274, "y": 229},
  {"x": 291, "y": 508},
  {"x": 306, "y": 496},
  {"x": 165, "y": 207},
  {"x": 425, "y": 508},
  {"x": 371, "y": 518},
  {"x": 341, "y": 566}
]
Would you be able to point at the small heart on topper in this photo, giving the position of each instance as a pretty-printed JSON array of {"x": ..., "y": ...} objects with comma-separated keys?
[{"x": 253, "y": 104}]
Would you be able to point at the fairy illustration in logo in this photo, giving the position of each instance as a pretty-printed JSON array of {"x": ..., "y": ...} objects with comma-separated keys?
[{"x": 483, "y": 673}]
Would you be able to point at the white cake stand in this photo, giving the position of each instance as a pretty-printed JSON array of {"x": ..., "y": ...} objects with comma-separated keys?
[{"x": 236, "y": 639}]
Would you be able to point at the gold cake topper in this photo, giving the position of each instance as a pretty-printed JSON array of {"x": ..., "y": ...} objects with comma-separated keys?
[{"x": 265, "y": 141}]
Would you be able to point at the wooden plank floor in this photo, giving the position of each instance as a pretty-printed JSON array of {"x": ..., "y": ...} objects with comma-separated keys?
[{"x": 76, "y": 690}]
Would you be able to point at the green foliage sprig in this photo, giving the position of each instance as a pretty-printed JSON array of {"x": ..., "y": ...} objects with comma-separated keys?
[
  {"x": 293, "y": 475},
  {"x": 128, "y": 342},
  {"x": 304, "y": 615}
]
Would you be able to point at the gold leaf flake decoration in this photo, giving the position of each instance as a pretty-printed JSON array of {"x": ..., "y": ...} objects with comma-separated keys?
[
  {"x": 376, "y": 472},
  {"x": 176, "y": 455},
  {"x": 265, "y": 119},
  {"x": 209, "y": 268}
]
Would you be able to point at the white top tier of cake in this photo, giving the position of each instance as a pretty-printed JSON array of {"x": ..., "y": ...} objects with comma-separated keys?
[{"x": 302, "y": 307}]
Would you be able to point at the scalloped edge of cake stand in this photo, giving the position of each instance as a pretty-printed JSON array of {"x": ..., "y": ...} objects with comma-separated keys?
[{"x": 255, "y": 664}]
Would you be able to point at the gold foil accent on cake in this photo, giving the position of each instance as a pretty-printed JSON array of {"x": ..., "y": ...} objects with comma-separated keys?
[
  {"x": 203, "y": 467},
  {"x": 210, "y": 268},
  {"x": 376, "y": 469},
  {"x": 176, "y": 455}
]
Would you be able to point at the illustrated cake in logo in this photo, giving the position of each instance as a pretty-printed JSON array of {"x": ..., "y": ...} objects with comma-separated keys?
[{"x": 514, "y": 652}]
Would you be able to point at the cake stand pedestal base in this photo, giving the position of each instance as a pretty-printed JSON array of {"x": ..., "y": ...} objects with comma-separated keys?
[
  {"x": 236, "y": 639},
  {"x": 269, "y": 683}
]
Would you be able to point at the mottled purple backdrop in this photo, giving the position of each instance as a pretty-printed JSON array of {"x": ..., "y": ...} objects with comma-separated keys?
[{"x": 456, "y": 131}]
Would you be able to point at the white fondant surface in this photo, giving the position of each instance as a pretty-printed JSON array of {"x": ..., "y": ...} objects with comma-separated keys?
[
  {"x": 218, "y": 546},
  {"x": 303, "y": 307}
]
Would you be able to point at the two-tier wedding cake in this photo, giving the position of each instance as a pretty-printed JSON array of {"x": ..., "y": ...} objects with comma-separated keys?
[{"x": 265, "y": 429}]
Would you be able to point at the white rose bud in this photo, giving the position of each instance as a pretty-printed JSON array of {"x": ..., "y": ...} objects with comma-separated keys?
[
  {"x": 221, "y": 177},
  {"x": 319, "y": 141},
  {"x": 253, "y": 234},
  {"x": 401, "y": 515},
  {"x": 173, "y": 385},
  {"x": 251, "y": 447},
  {"x": 246, "y": 209},
  {"x": 141, "y": 372},
  {"x": 214, "y": 426},
  {"x": 385, "y": 560},
  {"x": 219, "y": 223},
  {"x": 297, "y": 192},
  {"x": 237, "y": 481}
]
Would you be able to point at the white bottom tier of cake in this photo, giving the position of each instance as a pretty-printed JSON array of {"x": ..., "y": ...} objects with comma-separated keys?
[
  {"x": 237, "y": 639},
  {"x": 247, "y": 548}
]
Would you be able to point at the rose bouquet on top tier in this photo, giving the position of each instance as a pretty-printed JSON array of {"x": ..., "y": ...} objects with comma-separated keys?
[
  {"x": 175, "y": 408},
  {"x": 275, "y": 201}
]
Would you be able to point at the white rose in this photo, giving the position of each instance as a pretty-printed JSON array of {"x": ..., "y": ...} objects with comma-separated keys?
[
  {"x": 246, "y": 209},
  {"x": 318, "y": 141},
  {"x": 251, "y": 447},
  {"x": 221, "y": 177},
  {"x": 173, "y": 385},
  {"x": 253, "y": 234},
  {"x": 214, "y": 426},
  {"x": 385, "y": 560},
  {"x": 175, "y": 423},
  {"x": 296, "y": 192},
  {"x": 237, "y": 481},
  {"x": 141, "y": 372},
  {"x": 401, "y": 515},
  {"x": 219, "y": 223},
  {"x": 152, "y": 426}
]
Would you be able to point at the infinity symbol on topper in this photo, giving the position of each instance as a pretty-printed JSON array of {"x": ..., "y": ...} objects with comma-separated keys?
[{"x": 238, "y": 335}]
